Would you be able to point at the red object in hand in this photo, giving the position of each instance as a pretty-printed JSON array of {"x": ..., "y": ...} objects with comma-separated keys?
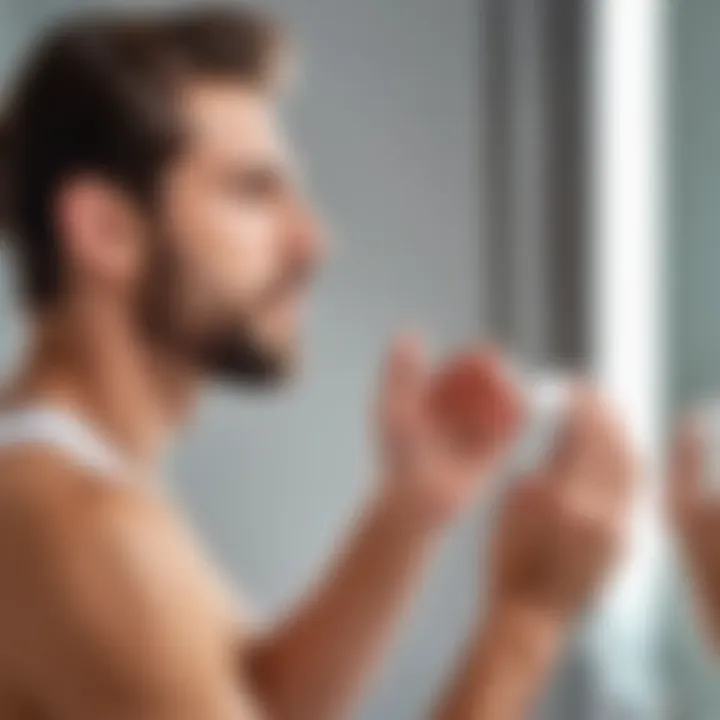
[{"x": 476, "y": 402}]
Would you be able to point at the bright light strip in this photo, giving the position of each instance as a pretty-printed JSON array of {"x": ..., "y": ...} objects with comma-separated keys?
[{"x": 628, "y": 249}]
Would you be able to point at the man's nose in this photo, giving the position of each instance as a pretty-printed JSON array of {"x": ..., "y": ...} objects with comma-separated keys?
[{"x": 308, "y": 233}]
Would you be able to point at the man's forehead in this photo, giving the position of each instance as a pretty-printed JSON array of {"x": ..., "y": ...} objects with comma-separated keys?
[{"x": 232, "y": 119}]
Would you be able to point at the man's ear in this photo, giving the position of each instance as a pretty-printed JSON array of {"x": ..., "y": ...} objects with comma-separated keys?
[{"x": 100, "y": 229}]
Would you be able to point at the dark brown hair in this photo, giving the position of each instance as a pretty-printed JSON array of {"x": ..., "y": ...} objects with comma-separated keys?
[{"x": 98, "y": 96}]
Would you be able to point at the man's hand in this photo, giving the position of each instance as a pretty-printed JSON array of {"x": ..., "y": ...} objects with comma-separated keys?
[
  {"x": 695, "y": 515},
  {"x": 558, "y": 534},
  {"x": 438, "y": 432},
  {"x": 442, "y": 430},
  {"x": 560, "y": 530}
]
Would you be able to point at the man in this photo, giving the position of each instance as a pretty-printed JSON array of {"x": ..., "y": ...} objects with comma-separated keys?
[{"x": 162, "y": 240}]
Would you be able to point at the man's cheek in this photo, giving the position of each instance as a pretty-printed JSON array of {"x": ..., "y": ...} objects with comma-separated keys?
[{"x": 247, "y": 257}]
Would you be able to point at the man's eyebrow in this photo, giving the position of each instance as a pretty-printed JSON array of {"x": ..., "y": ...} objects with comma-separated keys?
[{"x": 261, "y": 173}]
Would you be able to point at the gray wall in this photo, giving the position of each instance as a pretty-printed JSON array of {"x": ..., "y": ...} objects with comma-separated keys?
[
  {"x": 387, "y": 122},
  {"x": 695, "y": 199},
  {"x": 694, "y": 291}
]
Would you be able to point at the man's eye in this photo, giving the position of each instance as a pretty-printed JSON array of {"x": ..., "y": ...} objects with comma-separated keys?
[{"x": 259, "y": 185}]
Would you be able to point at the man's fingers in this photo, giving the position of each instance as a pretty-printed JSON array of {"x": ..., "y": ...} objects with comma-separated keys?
[
  {"x": 569, "y": 454},
  {"x": 474, "y": 398},
  {"x": 403, "y": 376},
  {"x": 614, "y": 462},
  {"x": 593, "y": 466},
  {"x": 405, "y": 364},
  {"x": 402, "y": 385}
]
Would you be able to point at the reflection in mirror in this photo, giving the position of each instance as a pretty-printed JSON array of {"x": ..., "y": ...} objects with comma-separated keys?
[{"x": 691, "y": 662}]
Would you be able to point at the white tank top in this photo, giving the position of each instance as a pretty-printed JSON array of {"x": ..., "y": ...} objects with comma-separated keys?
[{"x": 45, "y": 425}]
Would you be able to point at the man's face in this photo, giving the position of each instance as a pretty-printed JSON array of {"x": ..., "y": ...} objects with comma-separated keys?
[{"x": 236, "y": 246}]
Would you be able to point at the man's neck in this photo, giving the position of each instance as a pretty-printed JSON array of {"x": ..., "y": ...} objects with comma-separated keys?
[{"x": 96, "y": 365}]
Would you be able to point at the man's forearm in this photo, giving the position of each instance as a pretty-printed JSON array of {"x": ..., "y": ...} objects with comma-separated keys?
[
  {"x": 317, "y": 662},
  {"x": 507, "y": 664}
]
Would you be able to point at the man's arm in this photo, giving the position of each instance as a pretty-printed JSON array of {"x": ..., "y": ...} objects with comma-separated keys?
[
  {"x": 104, "y": 614},
  {"x": 508, "y": 661},
  {"x": 316, "y": 664},
  {"x": 318, "y": 661}
]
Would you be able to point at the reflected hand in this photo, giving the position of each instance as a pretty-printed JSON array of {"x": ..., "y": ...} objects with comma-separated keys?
[{"x": 695, "y": 515}]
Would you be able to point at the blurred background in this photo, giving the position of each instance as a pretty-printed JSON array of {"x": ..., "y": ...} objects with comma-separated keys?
[
  {"x": 487, "y": 167},
  {"x": 693, "y": 293}
]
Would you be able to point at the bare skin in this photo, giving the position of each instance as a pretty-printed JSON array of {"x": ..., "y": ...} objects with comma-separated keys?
[
  {"x": 157, "y": 640},
  {"x": 112, "y": 611},
  {"x": 108, "y": 609},
  {"x": 558, "y": 535}
]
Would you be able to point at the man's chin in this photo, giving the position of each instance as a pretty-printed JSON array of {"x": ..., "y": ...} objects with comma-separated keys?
[{"x": 255, "y": 366}]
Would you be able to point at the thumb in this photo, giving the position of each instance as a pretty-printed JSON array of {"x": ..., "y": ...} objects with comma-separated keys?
[
  {"x": 405, "y": 369},
  {"x": 402, "y": 381}
]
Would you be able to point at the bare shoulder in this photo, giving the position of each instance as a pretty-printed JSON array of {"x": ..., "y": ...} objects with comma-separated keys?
[
  {"x": 98, "y": 577},
  {"x": 52, "y": 508},
  {"x": 62, "y": 519},
  {"x": 60, "y": 522},
  {"x": 46, "y": 496}
]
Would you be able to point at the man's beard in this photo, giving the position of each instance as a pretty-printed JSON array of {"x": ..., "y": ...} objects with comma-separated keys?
[
  {"x": 227, "y": 347},
  {"x": 230, "y": 352}
]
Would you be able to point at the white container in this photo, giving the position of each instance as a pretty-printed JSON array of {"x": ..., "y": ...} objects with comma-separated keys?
[{"x": 547, "y": 403}]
